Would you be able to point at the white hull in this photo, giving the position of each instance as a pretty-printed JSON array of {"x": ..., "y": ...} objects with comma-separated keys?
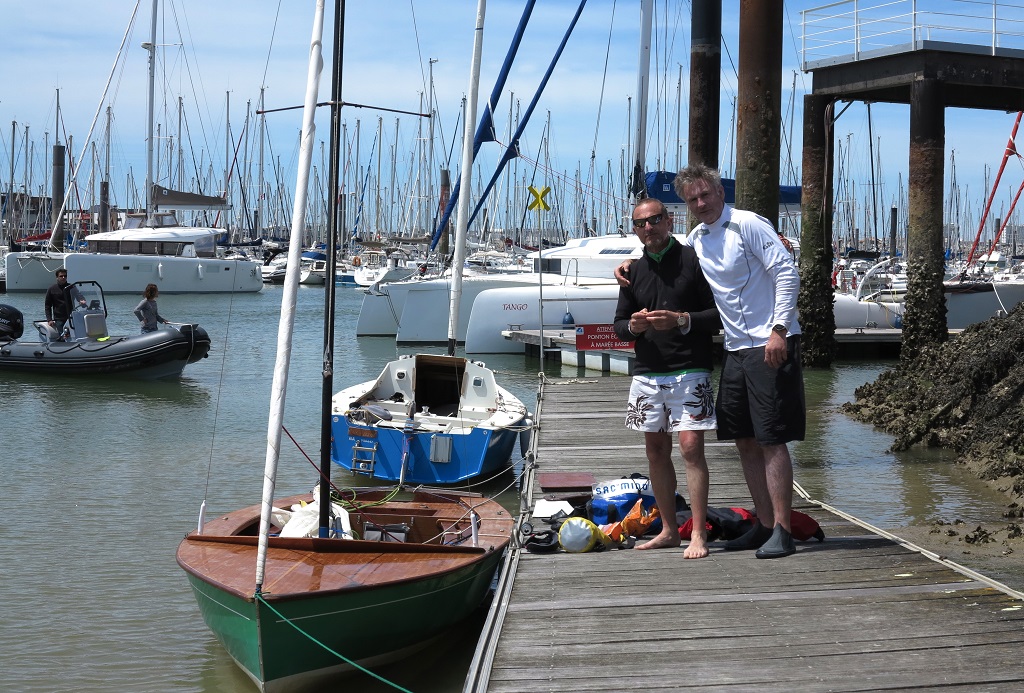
[
  {"x": 851, "y": 313},
  {"x": 416, "y": 312},
  {"x": 428, "y": 419},
  {"x": 505, "y": 309},
  {"x": 368, "y": 276},
  {"x": 508, "y": 308},
  {"x": 577, "y": 280},
  {"x": 129, "y": 274},
  {"x": 496, "y": 310},
  {"x": 967, "y": 308},
  {"x": 311, "y": 277},
  {"x": 34, "y": 271}
]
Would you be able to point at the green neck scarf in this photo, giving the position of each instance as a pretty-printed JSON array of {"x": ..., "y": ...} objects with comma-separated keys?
[{"x": 657, "y": 256}]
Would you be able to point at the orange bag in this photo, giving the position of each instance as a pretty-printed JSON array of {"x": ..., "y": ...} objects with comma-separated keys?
[{"x": 639, "y": 519}]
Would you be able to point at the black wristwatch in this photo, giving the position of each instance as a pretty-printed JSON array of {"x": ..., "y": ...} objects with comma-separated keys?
[{"x": 781, "y": 329}]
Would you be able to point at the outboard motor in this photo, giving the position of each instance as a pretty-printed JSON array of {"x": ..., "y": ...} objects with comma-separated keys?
[{"x": 12, "y": 323}]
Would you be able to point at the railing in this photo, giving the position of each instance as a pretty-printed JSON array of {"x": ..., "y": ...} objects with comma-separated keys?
[{"x": 856, "y": 29}]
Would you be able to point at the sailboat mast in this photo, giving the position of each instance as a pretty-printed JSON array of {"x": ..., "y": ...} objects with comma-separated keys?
[
  {"x": 333, "y": 175},
  {"x": 289, "y": 296},
  {"x": 874, "y": 196},
  {"x": 259, "y": 173},
  {"x": 150, "y": 115},
  {"x": 462, "y": 220},
  {"x": 638, "y": 186}
]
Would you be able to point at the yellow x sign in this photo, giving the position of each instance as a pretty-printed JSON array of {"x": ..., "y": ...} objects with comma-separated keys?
[{"x": 538, "y": 198}]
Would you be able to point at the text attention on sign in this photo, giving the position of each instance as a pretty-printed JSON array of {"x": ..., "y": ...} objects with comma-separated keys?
[{"x": 591, "y": 337}]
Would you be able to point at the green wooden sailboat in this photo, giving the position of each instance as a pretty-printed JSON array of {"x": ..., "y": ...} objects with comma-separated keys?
[
  {"x": 370, "y": 601},
  {"x": 371, "y": 575}
]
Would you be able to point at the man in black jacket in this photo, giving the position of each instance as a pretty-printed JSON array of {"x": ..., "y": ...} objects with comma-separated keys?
[
  {"x": 59, "y": 299},
  {"x": 669, "y": 311}
]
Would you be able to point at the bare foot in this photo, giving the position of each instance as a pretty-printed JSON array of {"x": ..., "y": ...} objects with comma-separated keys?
[
  {"x": 696, "y": 549},
  {"x": 665, "y": 540}
]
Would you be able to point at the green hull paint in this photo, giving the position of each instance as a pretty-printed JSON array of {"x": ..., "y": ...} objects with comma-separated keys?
[{"x": 372, "y": 625}]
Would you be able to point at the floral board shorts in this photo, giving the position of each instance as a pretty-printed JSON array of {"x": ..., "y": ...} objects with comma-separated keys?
[{"x": 663, "y": 403}]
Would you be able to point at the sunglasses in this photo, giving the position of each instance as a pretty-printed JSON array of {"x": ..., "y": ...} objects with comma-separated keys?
[{"x": 653, "y": 220}]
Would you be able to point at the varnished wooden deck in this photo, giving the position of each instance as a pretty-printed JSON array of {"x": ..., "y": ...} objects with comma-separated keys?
[{"x": 859, "y": 612}]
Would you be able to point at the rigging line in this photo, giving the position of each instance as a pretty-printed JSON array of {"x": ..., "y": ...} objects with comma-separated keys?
[
  {"x": 563, "y": 177},
  {"x": 419, "y": 48},
  {"x": 259, "y": 596},
  {"x": 335, "y": 488},
  {"x": 273, "y": 34},
  {"x": 178, "y": 22},
  {"x": 345, "y": 103},
  {"x": 99, "y": 108},
  {"x": 600, "y": 99},
  {"x": 227, "y": 180},
  {"x": 526, "y": 210},
  {"x": 220, "y": 389},
  {"x": 795, "y": 42}
]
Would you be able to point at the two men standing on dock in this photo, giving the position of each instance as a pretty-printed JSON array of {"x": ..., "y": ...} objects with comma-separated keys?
[{"x": 760, "y": 402}]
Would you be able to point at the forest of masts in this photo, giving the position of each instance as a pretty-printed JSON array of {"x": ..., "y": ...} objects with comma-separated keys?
[{"x": 390, "y": 188}]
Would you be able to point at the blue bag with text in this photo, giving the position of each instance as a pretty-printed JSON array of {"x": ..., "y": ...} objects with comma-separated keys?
[{"x": 614, "y": 498}]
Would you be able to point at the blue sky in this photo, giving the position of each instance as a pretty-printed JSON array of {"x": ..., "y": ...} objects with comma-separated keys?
[{"x": 237, "y": 46}]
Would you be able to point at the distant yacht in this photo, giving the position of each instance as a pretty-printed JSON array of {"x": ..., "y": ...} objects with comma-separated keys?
[{"x": 178, "y": 259}]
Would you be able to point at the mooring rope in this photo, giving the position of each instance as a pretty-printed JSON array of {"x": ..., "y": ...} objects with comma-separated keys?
[{"x": 259, "y": 597}]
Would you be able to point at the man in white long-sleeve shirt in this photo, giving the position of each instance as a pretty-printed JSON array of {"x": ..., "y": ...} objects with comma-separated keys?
[{"x": 760, "y": 400}]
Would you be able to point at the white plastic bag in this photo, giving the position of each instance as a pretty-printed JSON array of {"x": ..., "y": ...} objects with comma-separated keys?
[{"x": 304, "y": 521}]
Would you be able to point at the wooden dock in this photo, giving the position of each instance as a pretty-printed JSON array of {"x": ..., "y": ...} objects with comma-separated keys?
[{"x": 861, "y": 611}]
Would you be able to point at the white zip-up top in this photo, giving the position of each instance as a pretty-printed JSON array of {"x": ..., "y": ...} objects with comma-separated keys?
[{"x": 752, "y": 275}]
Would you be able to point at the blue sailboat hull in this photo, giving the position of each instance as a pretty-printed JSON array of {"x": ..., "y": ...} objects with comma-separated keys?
[{"x": 475, "y": 453}]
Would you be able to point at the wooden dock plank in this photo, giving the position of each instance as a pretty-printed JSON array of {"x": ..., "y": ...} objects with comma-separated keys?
[{"x": 857, "y": 612}]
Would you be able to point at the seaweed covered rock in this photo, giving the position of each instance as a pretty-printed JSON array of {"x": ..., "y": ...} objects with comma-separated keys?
[{"x": 965, "y": 394}]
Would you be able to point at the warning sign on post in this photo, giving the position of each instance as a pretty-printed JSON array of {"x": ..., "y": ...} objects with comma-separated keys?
[{"x": 591, "y": 337}]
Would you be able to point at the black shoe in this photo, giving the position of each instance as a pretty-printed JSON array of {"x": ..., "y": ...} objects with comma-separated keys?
[
  {"x": 749, "y": 540},
  {"x": 779, "y": 546},
  {"x": 542, "y": 542}
]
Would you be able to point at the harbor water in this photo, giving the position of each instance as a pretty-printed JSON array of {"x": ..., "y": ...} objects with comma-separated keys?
[{"x": 102, "y": 478}]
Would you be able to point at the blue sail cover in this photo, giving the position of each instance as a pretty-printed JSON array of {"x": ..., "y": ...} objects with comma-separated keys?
[
  {"x": 485, "y": 130},
  {"x": 512, "y": 151},
  {"x": 659, "y": 186}
]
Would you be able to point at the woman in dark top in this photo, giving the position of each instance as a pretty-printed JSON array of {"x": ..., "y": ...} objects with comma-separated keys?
[{"x": 146, "y": 311}]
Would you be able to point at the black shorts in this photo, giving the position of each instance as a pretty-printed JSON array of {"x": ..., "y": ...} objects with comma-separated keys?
[{"x": 761, "y": 402}]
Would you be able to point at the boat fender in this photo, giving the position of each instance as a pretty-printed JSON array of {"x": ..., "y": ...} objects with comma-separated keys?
[
  {"x": 357, "y": 261},
  {"x": 525, "y": 437},
  {"x": 202, "y": 517},
  {"x": 568, "y": 319},
  {"x": 160, "y": 270},
  {"x": 199, "y": 268}
]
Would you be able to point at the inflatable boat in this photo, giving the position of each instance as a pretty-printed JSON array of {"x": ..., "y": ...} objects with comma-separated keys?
[{"x": 82, "y": 346}]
